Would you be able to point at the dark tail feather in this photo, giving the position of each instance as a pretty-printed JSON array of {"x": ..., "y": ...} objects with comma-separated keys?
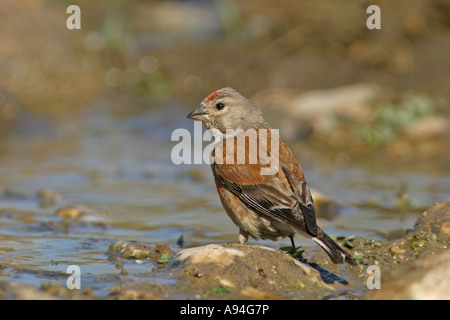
[{"x": 333, "y": 250}]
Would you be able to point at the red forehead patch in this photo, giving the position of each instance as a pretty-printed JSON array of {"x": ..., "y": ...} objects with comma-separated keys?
[{"x": 212, "y": 96}]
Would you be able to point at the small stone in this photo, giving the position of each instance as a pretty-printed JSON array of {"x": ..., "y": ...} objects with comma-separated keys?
[
  {"x": 212, "y": 253},
  {"x": 72, "y": 212},
  {"x": 396, "y": 249},
  {"x": 429, "y": 127},
  {"x": 226, "y": 283},
  {"x": 79, "y": 212},
  {"x": 134, "y": 250}
]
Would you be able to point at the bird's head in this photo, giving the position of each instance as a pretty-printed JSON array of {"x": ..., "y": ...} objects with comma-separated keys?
[{"x": 228, "y": 109}]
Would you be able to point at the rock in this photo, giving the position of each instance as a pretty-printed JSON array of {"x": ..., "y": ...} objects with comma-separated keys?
[
  {"x": 430, "y": 127},
  {"x": 60, "y": 291},
  {"x": 396, "y": 249},
  {"x": 243, "y": 271},
  {"x": 420, "y": 264},
  {"x": 134, "y": 250},
  {"x": 19, "y": 291},
  {"x": 429, "y": 236},
  {"x": 49, "y": 291},
  {"x": 349, "y": 101},
  {"x": 424, "y": 279},
  {"x": 436, "y": 220},
  {"x": 217, "y": 254},
  {"x": 139, "y": 290},
  {"x": 319, "y": 111}
]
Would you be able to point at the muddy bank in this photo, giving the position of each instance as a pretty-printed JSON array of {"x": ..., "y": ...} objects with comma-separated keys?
[
  {"x": 430, "y": 235},
  {"x": 234, "y": 271},
  {"x": 419, "y": 266}
]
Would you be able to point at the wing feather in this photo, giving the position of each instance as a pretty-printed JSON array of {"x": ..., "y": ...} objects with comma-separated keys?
[{"x": 283, "y": 197}]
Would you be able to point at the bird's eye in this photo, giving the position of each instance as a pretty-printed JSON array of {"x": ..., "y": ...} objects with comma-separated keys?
[{"x": 220, "y": 106}]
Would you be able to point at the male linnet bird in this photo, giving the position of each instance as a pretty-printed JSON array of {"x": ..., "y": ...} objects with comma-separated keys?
[{"x": 263, "y": 204}]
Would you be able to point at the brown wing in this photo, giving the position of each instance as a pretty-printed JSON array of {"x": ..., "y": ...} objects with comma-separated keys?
[
  {"x": 305, "y": 200},
  {"x": 283, "y": 196}
]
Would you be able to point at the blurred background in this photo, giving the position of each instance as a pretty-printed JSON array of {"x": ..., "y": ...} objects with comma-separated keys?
[{"x": 86, "y": 118}]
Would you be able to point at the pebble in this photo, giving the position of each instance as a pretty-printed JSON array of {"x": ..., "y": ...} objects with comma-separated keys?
[
  {"x": 79, "y": 212},
  {"x": 396, "y": 249}
]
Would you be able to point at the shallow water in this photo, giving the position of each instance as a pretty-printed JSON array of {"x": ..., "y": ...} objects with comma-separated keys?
[{"x": 121, "y": 167}]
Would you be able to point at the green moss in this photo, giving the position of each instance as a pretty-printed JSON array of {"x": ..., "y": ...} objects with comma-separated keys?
[
  {"x": 164, "y": 258},
  {"x": 220, "y": 290}
]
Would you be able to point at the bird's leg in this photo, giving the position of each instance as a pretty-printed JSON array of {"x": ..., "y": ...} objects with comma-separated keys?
[
  {"x": 243, "y": 237},
  {"x": 292, "y": 241},
  {"x": 295, "y": 252}
]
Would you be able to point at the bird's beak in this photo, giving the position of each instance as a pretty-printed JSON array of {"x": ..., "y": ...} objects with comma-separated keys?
[{"x": 199, "y": 114}]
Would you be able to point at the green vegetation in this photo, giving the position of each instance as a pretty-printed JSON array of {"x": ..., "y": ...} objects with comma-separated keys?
[{"x": 391, "y": 119}]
